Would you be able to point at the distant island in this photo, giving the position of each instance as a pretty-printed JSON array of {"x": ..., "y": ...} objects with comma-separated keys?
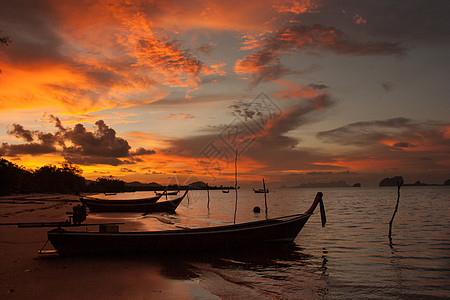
[
  {"x": 394, "y": 180},
  {"x": 67, "y": 179},
  {"x": 391, "y": 181},
  {"x": 324, "y": 184}
]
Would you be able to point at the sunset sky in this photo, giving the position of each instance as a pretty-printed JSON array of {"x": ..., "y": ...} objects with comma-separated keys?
[{"x": 307, "y": 91}]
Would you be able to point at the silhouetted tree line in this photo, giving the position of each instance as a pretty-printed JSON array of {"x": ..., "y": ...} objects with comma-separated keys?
[
  {"x": 46, "y": 179},
  {"x": 107, "y": 185},
  {"x": 66, "y": 179}
]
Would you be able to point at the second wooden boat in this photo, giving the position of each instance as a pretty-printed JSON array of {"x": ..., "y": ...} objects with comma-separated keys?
[{"x": 140, "y": 205}]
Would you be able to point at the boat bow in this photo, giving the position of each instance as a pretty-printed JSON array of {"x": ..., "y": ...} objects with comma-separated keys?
[{"x": 318, "y": 201}]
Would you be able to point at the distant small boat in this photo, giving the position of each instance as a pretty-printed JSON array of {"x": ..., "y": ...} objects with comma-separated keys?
[
  {"x": 225, "y": 191},
  {"x": 267, "y": 232},
  {"x": 262, "y": 191},
  {"x": 136, "y": 205},
  {"x": 110, "y": 194},
  {"x": 167, "y": 193}
]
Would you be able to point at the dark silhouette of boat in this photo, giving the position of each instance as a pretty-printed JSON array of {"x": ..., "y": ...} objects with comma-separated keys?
[
  {"x": 225, "y": 191},
  {"x": 137, "y": 205},
  {"x": 262, "y": 191},
  {"x": 94, "y": 200},
  {"x": 167, "y": 193},
  {"x": 267, "y": 232}
]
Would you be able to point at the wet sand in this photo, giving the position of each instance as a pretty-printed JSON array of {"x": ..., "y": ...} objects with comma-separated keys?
[{"x": 24, "y": 274}]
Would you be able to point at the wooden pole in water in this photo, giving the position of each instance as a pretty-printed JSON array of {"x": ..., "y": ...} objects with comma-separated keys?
[
  {"x": 235, "y": 186},
  {"x": 265, "y": 195},
  {"x": 399, "y": 185},
  {"x": 207, "y": 189}
]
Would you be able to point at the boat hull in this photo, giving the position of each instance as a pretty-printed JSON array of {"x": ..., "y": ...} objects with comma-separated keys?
[
  {"x": 253, "y": 234},
  {"x": 92, "y": 200},
  {"x": 133, "y": 206}
]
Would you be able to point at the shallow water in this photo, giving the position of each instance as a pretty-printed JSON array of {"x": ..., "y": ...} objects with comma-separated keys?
[{"x": 349, "y": 258}]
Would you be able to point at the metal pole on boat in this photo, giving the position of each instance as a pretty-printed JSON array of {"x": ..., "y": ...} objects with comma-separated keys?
[
  {"x": 235, "y": 186},
  {"x": 265, "y": 197}
]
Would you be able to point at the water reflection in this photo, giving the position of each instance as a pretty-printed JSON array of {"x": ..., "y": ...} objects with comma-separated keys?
[
  {"x": 398, "y": 268},
  {"x": 349, "y": 258}
]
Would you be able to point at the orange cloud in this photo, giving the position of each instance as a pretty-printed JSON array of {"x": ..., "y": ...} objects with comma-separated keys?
[
  {"x": 297, "y": 7},
  {"x": 180, "y": 116},
  {"x": 295, "y": 91},
  {"x": 446, "y": 132},
  {"x": 359, "y": 20},
  {"x": 103, "y": 54}
]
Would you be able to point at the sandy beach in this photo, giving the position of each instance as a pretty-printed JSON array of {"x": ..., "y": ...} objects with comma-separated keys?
[{"x": 25, "y": 274}]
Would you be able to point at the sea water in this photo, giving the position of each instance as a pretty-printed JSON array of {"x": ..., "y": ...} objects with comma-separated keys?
[{"x": 350, "y": 258}]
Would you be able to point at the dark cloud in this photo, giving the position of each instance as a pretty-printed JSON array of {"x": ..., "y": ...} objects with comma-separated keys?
[
  {"x": 246, "y": 110},
  {"x": 403, "y": 145},
  {"x": 93, "y": 160},
  {"x": 19, "y": 132},
  {"x": 412, "y": 22},
  {"x": 297, "y": 115},
  {"x": 35, "y": 40},
  {"x": 102, "y": 142},
  {"x": 77, "y": 145},
  {"x": 318, "y": 86},
  {"x": 387, "y": 86},
  {"x": 264, "y": 64},
  {"x": 385, "y": 139},
  {"x": 393, "y": 145},
  {"x": 303, "y": 37},
  {"x": 369, "y": 132},
  {"x": 205, "y": 48},
  {"x": 142, "y": 151},
  {"x": 330, "y": 173},
  {"x": 30, "y": 148}
]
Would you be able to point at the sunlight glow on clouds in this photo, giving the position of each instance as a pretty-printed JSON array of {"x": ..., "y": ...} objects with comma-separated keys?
[{"x": 137, "y": 89}]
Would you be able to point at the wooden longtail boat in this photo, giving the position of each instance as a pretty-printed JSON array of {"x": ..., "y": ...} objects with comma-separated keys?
[
  {"x": 94, "y": 200},
  {"x": 137, "y": 205},
  {"x": 270, "y": 231}
]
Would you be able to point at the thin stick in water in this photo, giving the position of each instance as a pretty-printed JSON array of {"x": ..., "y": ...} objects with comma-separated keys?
[
  {"x": 265, "y": 197},
  {"x": 207, "y": 189},
  {"x": 235, "y": 186},
  {"x": 399, "y": 185}
]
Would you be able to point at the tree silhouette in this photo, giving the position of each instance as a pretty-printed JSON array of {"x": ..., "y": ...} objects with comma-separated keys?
[
  {"x": 66, "y": 179},
  {"x": 108, "y": 185},
  {"x": 14, "y": 179},
  {"x": 46, "y": 179}
]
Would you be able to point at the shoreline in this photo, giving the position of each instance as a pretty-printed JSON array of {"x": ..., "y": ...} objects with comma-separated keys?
[{"x": 25, "y": 274}]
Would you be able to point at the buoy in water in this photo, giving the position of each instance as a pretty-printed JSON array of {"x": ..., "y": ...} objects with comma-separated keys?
[{"x": 256, "y": 209}]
